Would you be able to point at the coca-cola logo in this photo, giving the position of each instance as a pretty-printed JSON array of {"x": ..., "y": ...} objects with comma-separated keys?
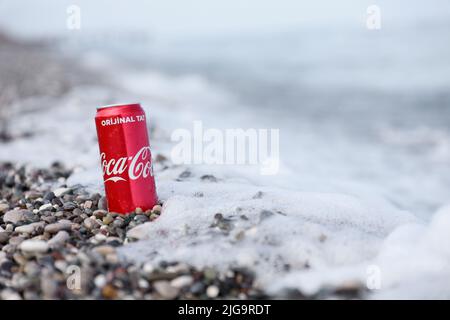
[{"x": 137, "y": 166}]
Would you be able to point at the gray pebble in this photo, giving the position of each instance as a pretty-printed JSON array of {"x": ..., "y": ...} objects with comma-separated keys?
[
  {"x": 16, "y": 216},
  {"x": 30, "y": 228},
  {"x": 49, "y": 196},
  {"x": 69, "y": 205},
  {"x": 90, "y": 223},
  {"x": 58, "y": 226},
  {"x": 102, "y": 204},
  {"x": 61, "y": 191},
  {"x": 4, "y": 237},
  {"x": 59, "y": 239}
]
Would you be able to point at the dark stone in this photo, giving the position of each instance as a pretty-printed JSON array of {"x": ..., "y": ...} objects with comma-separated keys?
[
  {"x": 49, "y": 196},
  {"x": 69, "y": 205},
  {"x": 197, "y": 288}
]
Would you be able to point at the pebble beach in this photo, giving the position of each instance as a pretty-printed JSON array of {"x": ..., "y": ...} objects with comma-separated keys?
[
  {"x": 48, "y": 235},
  {"x": 332, "y": 224}
]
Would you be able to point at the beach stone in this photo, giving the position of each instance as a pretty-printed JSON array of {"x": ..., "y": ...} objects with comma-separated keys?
[
  {"x": 57, "y": 201},
  {"x": 58, "y": 226},
  {"x": 109, "y": 292},
  {"x": 100, "y": 213},
  {"x": 118, "y": 222},
  {"x": 182, "y": 281},
  {"x": 47, "y": 206},
  {"x": 8, "y": 294},
  {"x": 32, "y": 268},
  {"x": 197, "y": 288},
  {"x": 139, "y": 232},
  {"x": 61, "y": 265},
  {"x": 20, "y": 259},
  {"x": 34, "y": 246},
  {"x": 69, "y": 205},
  {"x": 16, "y": 216},
  {"x": 9, "y": 248},
  {"x": 102, "y": 204},
  {"x": 104, "y": 250},
  {"x": 30, "y": 228},
  {"x": 3, "y": 207},
  {"x": 61, "y": 191},
  {"x": 15, "y": 241},
  {"x": 100, "y": 237},
  {"x": 143, "y": 284},
  {"x": 165, "y": 290},
  {"x": 157, "y": 209},
  {"x": 100, "y": 281},
  {"x": 49, "y": 286},
  {"x": 141, "y": 218},
  {"x": 4, "y": 237},
  {"x": 88, "y": 204},
  {"x": 89, "y": 223},
  {"x": 212, "y": 291},
  {"x": 49, "y": 196},
  {"x": 59, "y": 239},
  {"x": 148, "y": 268},
  {"x": 108, "y": 219}
]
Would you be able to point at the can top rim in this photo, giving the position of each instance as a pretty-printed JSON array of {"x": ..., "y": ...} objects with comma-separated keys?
[{"x": 117, "y": 105}]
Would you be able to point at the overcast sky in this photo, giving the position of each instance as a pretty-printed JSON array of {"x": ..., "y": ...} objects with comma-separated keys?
[{"x": 196, "y": 17}]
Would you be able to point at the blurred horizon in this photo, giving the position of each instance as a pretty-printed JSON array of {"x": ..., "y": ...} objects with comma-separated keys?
[{"x": 174, "y": 19}]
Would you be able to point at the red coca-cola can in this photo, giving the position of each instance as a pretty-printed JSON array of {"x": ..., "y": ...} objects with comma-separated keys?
[{"x": 125, "y": 157}]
